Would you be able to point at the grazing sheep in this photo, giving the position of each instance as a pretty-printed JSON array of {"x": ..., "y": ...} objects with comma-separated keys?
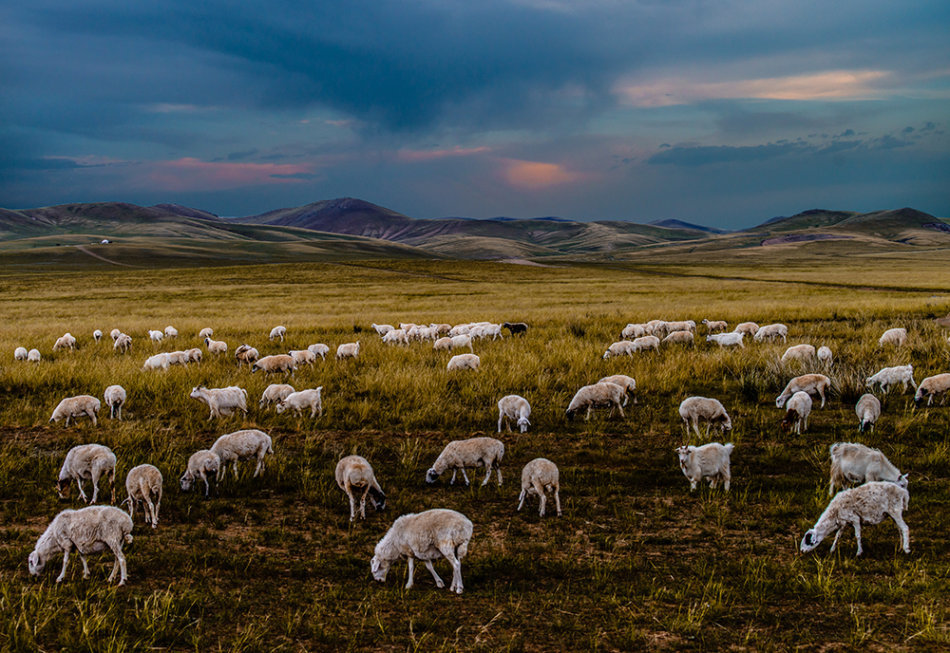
[
  {"x": 114, "y": 334},
  {"x": 598, "y": 395},
  {"x": 853, "y": 463},
  {"x": 246, "y": 354},
  {"x": 473, "y": 452},
  {"x": 88, "y": 530},
  {"x": 303, "y": 356},
  {"x": 76, "y": 407},
  {"x": 87, "y": 461},
  {"x": 156, "y": 362},
  {"x": 868, "y": 410},
  {"x": 33, "y": 356},
  {"x": 655, "y": 327},
  {"x": 194, "y": 355},
  {"x": 97, "y": 335},
  {"x": 171, "y": 332},
  {"x": 348, "y": 350},
  {"x": 462, "y": 340},
  {"x": 242, "y": 445},
  {"x": 805, "y": 353},
  {"x": 319, "y": 349},
  {"x": 155, "y": 335},
  {"x": 540, "y": 476},
  {"x": 679, "y": 337},
  {"x": 747, "y": 328},
  {"x": 276, "y": 364},
  {"x": 708, "y": 462},
  {"x": 122, "y": 344},
  {"x": 693, "y": 409},
  {"x": 221, "y": 401},
  {"x": 733, "y": 339},
  {"x": 20, "y": 354},
  {"x": 277, "y": 332},
  {"x": 302, "y": 399},
  {"x": 889, "y": 376},
  {"x": 682, "y": 325},
  {"x": 425, "y": 536},
  {"x": 824, "y": 355},
  {"x": 621, "y": 348},
  {"x": 464, "y": 362},
  {"x": 896, "y": 337},
  {"x": 65, "y": 341},
  {"x": 355, "y": 471},
  {"x": 398, "y": 336},
  {"x": 178, "y": 358},
  {"x": 628, "y": 384},
  {"x": 519, "y": 328},
  {"x": 115, "y": 396},
  {"x": 382, "y": 329},
  {"x": 869, "y": 504},
  {"x": 442, "y": 344},
  {"x": 632, "y": 331},
  {"x": 205, "y": 333},
  {"x": 715, "y": 326},
  {"x": 810, "y": 383},
  {"x": 771, "y": 332},
  {"x": 514, "y": 407},
  {"x": 644, "y": 343},
  {"x": 216, "y": 346},
  {"x": 931, "y": 387},
  {"x": 144, "y": 484},
  {"x": 275, "y": 393},
  {"x": 203, "y": 464},
  {"x": 798, "y": 408}
]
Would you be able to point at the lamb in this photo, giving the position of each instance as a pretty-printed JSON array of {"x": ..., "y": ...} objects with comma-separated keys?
[
  {"x": 627, "y": 383},
  {"x": 519, "y": 328},
  {"x": 115, "y": 333},
  {"x": 319, "y": 349},
  {"x": 810, "y": 383},
  {"x": 87, "y": 461},
  {"x": 348, "y": 350},
  {"x": 275, "y": 364},
  {"x": 203, "y": 464},
  {"x": 715, "y": 326},
  {"x": 216, "y": 346},
  {"x": 798, "y": 408},
  {"x": 771, "y": 332},
  {"x": 462, "y": 340},
  {"x": 115, "y": 396},
  {"x": 693, "y": 409},
  {"x": 89, "y": 530},
  {"x": 303, "y": 356},
  {"x": 65, "y": 341},
  {"x": 540, "y": 476},
  {"x": 464, "y": 362},
  {"x": 241, "y": 445},
  {"x": 868, "y": 503},
  {"x": 747, "y": 328},
  {"x": 426, "y": 536},
  {"x": 621, "y": 348},
  {"x": 708, "y": 462},
  {"x": 514, "y": 407},
  {"x": 277, "y": 332},
  {"x": 156, "y": 362},
  {"x": 76, "y": 407},
  {"x": 931, "y": 387},
  {"x": 598, "y": 395},
  {"x": 679, "y": 337},
  {"x": 33, "y": 356},
  {"x": 303, "y": 399},
  {"x": 733, "y": 339},
  {"x": 853, "y": 463},
  {"x": 221, "y": 401},
  {"x": 643, "y": 343},
  {"x": 824, "y": 355},
  {"x": 397, "y": 335},
  {"x": 155, "y": 335},
  {"x": 473, "y": 452},
  {"x": 123, "y": 343},
  {"x": 144, "y": 484},
  {"x": 355, "y": 471},
  {"x": 799, "y": 352},
  {"x": 896, "y": 337},
  {"x": 633, "y": 331},
  {"x": 171, "y": 332},
  {"x": 868, "y": 410},
  {"x": 194, "y": 355},
  {"x": 20, "y": 354},
  {"x": 382, "y": 329},
  {"x": 275, "y": 393},
  {"x": 889, "y": 376},
  {"x": 97, "y": 335},
  {"x": 246, "y": 354},
  {"x": 205, "y": 333}
]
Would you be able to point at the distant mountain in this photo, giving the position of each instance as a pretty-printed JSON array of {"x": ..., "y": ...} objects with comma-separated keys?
[
  {"x": 681, "y": 224},
  {"x": 812, "y": 219},
  {"x": 186, "y": 211}
]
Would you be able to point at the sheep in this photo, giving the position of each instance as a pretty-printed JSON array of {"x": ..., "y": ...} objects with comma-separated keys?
[
  {"x": 715, "y": 326},
  {"x": 868, "y": 410},
  {"x": 896, "y": 337},
  {"x": 122, "y": 344},
  {"x": 277, "y": 332},
  {"x": 747, "y": 328},
  {"x": 443, "y": 329},
  {"x": 97, "y": 335},
  {"x": 798, "y": 408},
  {"x": 514, "y": 407},
  {"x": 155, "y": 335},
  {"x": 519, "y": 328},
  {"x": 771, "y": 332},
  {"x": 275, "y": 364},
  {"x": 205, "y": 333},
  {"x": 114, "y": 334},
  {"x": 708, "y": 462},
  {"x": 398, "y": 336},
  {"x": 442, "y": 344},
  {"x": 679, "y": 337},
  {"x": 462, "y": 340},
  {"x": 87, "y": 461},
  {"x": 178, "y": 358},
  {"x": 171, "y": 332},
  {"x": 464, "y": 362},
  {"x": 931, "y": 387},
  {"x": 598, "y": 395},
  {"x": 144, "y": 483},
  {"x": 621, "y": 348},
  {"x": 853, "y": 463},
  {"x": 627, "y": 383},
  {"x": 382, "y": 329},
  {"x": 115, "y": 396},
  {"x": 732, "y": 339},
  {"x": 685, "y": 325},
  {"x": 20, "y": 354},
  {"x": 540, "y": 476},
  {"x": 246, "y": 354},
  {"x": 194, "y": 355},
  {"x": 643, "y": 343},
  {"x": 693, "y": 409},
  {"x": 889, "y": 376},
  {"x": 868, "y": 503},
  {"x": 799, "y": 352},
  {"x": 203, "y": 464},
  {"x": 303, "y": 356},
  {"x": 348, "y": 350},
  {"x": 655, "y": 327},
  {"x": 319, "y": 349},
  {"x": 824, "y": 355},
  {"x": 473, "y": 452},
  {"x": 65, "y": 341},
  {"x": 303, "y": 399},
  {"x": 275, "y": 393},
  {"x": 355, "y": 471},
  {"x": 216, "y": 346},
  {"x": 33, "y": 356},
  {"x": 241, "y": 445},
  {"x": 156, "y": 362},
  {"x": 810, "y": 383},
  {"x": 425, "y": 536},
  {"x": 88, "y": 530},
  {"x": 76, "y": 407},
  {"x": 221, "y": 401},
  {"x": 633, "y": 331}
]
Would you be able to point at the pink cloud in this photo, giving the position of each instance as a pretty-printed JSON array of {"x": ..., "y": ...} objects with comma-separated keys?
[
  {"x": 532, "y": 175},
  {"x": 193, "y": 174},
  {"x": 430, "y": 155}
]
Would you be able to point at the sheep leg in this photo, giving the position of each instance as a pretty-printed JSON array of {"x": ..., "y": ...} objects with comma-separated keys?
[
  {"x": 112, "y": 485},
  {"x": 234, "y": 468},
  {"x": 260, "y": 462},
  {"x": 150, "y": 514},
  {"x": 412, "y": 571},
  {"x": 500, "y": 417},
  {"x": 438, "y": 581},
  {"x": 695, "y": 422},
  {"x": 488, "y": 475},
  {"x": 544, "y": 499},
  {"x": 207, "y": 487},
  {"x": 92, "y": 415},
  {"x": 587, "y": 417},
  {"x": 118, "y": 412},
  {"x": 524, "y": 493},
  {"x": 95, "y": 486},
  {"x": 821, "y": 392},
  {"x": 349, "y": 493},
  {"x": 707, "y": 430},
  {"x": 837, "y": 537},
  {"x": 449, "y": 552},
  {"x": 67, "y": 420},
  {"x": 85, "y": 566},
  {"x": 465, "y": 476},
  {"x": 726, "y": 480},
  {"x": 857, "y": 534},
  {"x": 620, "y": 408},
  {"x": 905, "y": 532},
  {"x": 82, "y": 492},
  {"x": 452, "y": 480},
  {"x": 62, "y": 574},
  {"x": 363, "y": 502},
  {"x": 557, "y": 500},
  {"x": 119, "y": 564}
]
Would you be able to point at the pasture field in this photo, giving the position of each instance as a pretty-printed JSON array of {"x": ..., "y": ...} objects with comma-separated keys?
[{"x": 636, "y": 562}]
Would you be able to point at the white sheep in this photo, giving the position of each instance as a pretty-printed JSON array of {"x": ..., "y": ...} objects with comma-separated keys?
[
  {"x": 869, "y": 504},
  {"x": 20, "y": 354},
  {"x": 693, "y": 409},
  {"x": 144, "y": 484},
  {"x": 538, "y": 477},
  {"x": 114, "y": 334},
  {"x": 896, "y": 337},
  {"x": 203, "y": 464},
  {"x": 65, "y": 341},
  {"x": 461, "y": 341},
  {"x": 156, "y": 362},
  {"x": 708, "y": 462},
  {"x": 644, "y": 343},
  {"x": 771, "y": 332},
  {"x": 33, "y": 356},
  {"x": 853, "y": 463},
  {"x": 205, "y": 333},
  {"x": 302, "y": 399},
  {"x": 715, "y": 326},
  {"x": 76, "y": 407},
  {"x": 803, "y": 353},
  {"x": 122, "y": 344},
  {"x": 87, "y": 461},
  {"x": 303, "y": 356},
  {"x": 632, "y": 331},
  {"x": 275, "y": 393},
  {"x": 88, "y": 530},
  {"x": 679, "y": 338},
  {"x": 382, "y": 329},
  {"x": 797, "y": 410},
  {"x": 278, "y": 363},
  {"x": 171, "y": 332},
  {"x": 398, "y": 336},
  {"x": 178, "y": 357},
  {"x": 747, "y": 328},
  {"x": 868, "y": 410},
  {"x": 348, "y": 350},
  {"x": 682, "y": 325},
  {"x": 889, "y": 376},
  {"x": 277, "y": 332},
  {"x": 221, "y": 401},
  {"x": 356, "y": 472},
  {"x": 733, "y": 339},
  {"x": 216, "y": 346},
  {"x": 115, "y": 396},
  {"x": 464, "y": 362},
  {"x": 628, "y": 384},
  {"x": 621, "y": 348},
  {"x": 442, "y": 344},
  {"x": 97, "y": 335},
  {"x": 194, "y": 355},
  {"x": 242, "y": 445},
  {"x": 810, "y": 383},
  {"x": 473, "y": 452},
  {"x": 655, "y": 327},
  {"x": 514, "y": 407},
  {"x": 598, "y": 395},
  {"x": 319, "y": 349},
  {"x": 425, "y": 536},
  {"x": 246, "y": 354},
  {"x": 156, "y": 335},
  {"x": 931, "y": 387},
  {"x": 825, "y": 356}
]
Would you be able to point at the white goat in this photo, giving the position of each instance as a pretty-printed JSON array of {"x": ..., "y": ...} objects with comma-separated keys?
[
  {"x": 473, "y": 452},
  {"x": 156, "y": 362},
  {"x": 853, "y": 463},
  {"x": 156, "y": 335},
  {"x": 514, "y": 407},
  {"x": 302, "y": 399},
  {"x": 319, "y": 349},
  {"x": 382, "y": 329},
  {"x": 275, "y": 393},
  {"x": 708, "y": 462},
  {"x": 221, "y": 401},
  {"x": 889, "y": 376},
  {"x": 733, "y": 339},
  {"x": 538, "y": 477},
  {"x": 87, "y": 461},
  {"x": 356, "y": 472}
]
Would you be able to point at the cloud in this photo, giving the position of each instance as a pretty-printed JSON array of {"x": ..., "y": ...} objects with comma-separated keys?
[
  {"x": 430, "y": 155},
  {"x": 704, "y": 155},
  {"x": 190, "y": 174},
  {"x": 534, "y": 175}
]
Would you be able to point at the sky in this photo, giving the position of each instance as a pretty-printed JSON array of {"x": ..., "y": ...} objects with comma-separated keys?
[{"x": 725, "y": 112}]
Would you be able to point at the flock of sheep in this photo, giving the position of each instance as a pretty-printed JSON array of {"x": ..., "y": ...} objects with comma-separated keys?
[{"x": 445, "y": 533}]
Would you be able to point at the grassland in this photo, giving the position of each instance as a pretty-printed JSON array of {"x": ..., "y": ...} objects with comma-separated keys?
[{"x": 636, "y": 562}]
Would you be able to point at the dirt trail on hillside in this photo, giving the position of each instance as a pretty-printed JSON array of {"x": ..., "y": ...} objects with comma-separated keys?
[{"x": 84, "y": 250}]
